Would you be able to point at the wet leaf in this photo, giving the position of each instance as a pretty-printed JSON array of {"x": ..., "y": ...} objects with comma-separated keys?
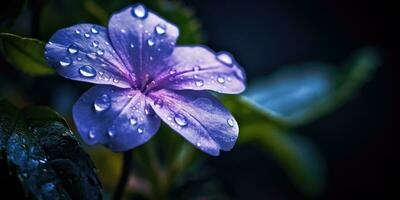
[
  {"x": 25, "y": 54},
  {"x": 41, "y": 148}
]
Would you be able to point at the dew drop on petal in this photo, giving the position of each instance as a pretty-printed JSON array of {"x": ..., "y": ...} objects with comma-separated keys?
[
  {"x": 123, "y": 31},
  {"x": 111, "y": 132},
  {"x": 180, "y": 119},
  {"x": 133, "y": 121},
  {"x": 132, "y": 46},
  {"x": 225, "y": 58},
  {"x": 196, "y": 68},
  {"x": 91, "y": 134},
  {"x": 87, "y": 71},
  {"x": 66, "y": 61},
  {"x": 95, "y": 44},
  {"x": 150, "y": 42},
  {"x": 172, "y": 71},
  {"x": 199, "y": 83},
  {"x": 102, "y": 103},
  {"x": 87, "y": 35},
  {"x": 77, "y": 31},
  {"x": 94, "y": 30},
  {"x": 221, "y": 79},
  {"x": 100, "y": 52},
  {"x": 140, "y": 130},
  {"x": 160, "y": 29},
  {"x": 91, "y": 55},
  {"x": 148, "y": 110},
  {"x": 72, "y": 49},
  {"x": 231, "y": 123},
  {"x": 139, "y": 11},
  {"x": 158, "y": 103}
]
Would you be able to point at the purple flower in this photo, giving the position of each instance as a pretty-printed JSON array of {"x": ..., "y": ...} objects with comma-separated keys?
[{"x": 143, "y": 77}]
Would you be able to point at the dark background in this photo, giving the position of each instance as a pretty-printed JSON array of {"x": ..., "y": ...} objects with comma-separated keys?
[{"x": 357, "y": 140}]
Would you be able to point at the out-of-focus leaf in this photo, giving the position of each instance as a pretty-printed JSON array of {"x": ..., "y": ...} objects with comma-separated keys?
[
  {"x": 25, "y": 54},
  {"x": 296, "y": 95},
  {"x": 41, "y": 148},
  {"x": 297, "y": 156}
]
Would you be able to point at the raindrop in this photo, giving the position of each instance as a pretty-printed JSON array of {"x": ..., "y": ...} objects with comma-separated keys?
[
  {"x": 221, "y": 79},
  {"x": 151, "y": 58},
  {"x": 148, "y": 110},
  {"x": 133, "y": 121},
  {"x": 102, "y": 103},
  {"x": 95, "y": 44},
  {"x": 72, "y": 49},
  {"x": 225, "y": 58},
  {"x": 150, "y": 42},
  {"x": 239, "y": 74},
  {"x": 198, "y": 144},
  {"x": 100, "y": 52},
  {"x": 116, "y": 80},
  {"x": 231, "y": 123},
  {"x": 110, "y": 133},
  {"x": 91, "y": 134},
  {"x": 196, "y": 68},
  {"x": 199, "y": 83},
  {"x": 172, "y": 71},
  {"x": 180, "y": 119},
  {"x": 87, "y": 71},
  {"x": 66, "y": 61},
  {"x": 140, "y": 130},
  {"x": 94, "y": 30},
  {"x": 140, "y": 11},
  {"x": 91, "y": 55},
  {"x": 123, "y": 31},
  {"x": 160, "y": 29},
  {"x": 159, "y": 103},
  {"x": 77, "y": 31},
  {"x": 132, "y": 46},
  {"x": 87, "y": 35}
]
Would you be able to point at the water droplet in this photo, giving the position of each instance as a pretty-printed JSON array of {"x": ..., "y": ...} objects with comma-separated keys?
[
  {"x": 199, "y": 83},
  {"x": 160, "y": 29},
  {"x": 102, "y": 103},
  {"x": 77, "y": 31},
  {"x": 221, "y": 79},
  {"x": 140, "y": 130},
  {"x": 111, "y": 132},
  {"x": 132, "y": 46},
  {"x": 151, "y": 58},
  {"x": 148, "y": 110},
  {"x": 79, "y": 58},
  {"x": 106, "y": 43},
  {"x": 198, "y": 144},
  {"x": 239, "y": 74},
  {"x": 100, "y": 52},
  {"x": 116, "y": 80},
  {"x": 87, "y": 35},
  {"x": 231, "y": 123},
  {"x": 158, "y": 103},
  {"x": 172, "y": 71},
  {"x": 150, "y": 42},
  {"x": 72, "y": 49},
  {"x": 95, "y": 44},
  {"x": 66, "y": 61},
  {"x": 94, "y": 30},
  {"x": 91, "y": 55},
  {"x": 91, "y": 134},
  {"x": 133, "y": 121},
  {"x": 196, "y": 68},
  {"x": 123, "y": 31},
  {"x": 180, "y": 119},
  {"x": 225, "y": 58},
  {"x": 87, "y": 71},
  {"x": 140, "y": 11}
]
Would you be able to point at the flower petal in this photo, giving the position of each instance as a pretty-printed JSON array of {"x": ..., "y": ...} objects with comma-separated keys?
[
  {"x": 199, "y": 68},
  {"x": 83, "y": 52},
  {"x": 142, "y": 39},
  {"x": 118, "y": 118},
  {"x": 198, "y": 117}
]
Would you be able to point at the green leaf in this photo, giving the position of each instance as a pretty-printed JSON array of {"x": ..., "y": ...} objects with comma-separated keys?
[
  {"x": 297, "y": 156},
  {"x": 25, "y": 54},
  {"x": 40, "y": 147},
  {"x": 300, "y": 94}
]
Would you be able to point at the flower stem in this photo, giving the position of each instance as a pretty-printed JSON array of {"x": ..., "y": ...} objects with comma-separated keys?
[{"x": 123, "y": 179}]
